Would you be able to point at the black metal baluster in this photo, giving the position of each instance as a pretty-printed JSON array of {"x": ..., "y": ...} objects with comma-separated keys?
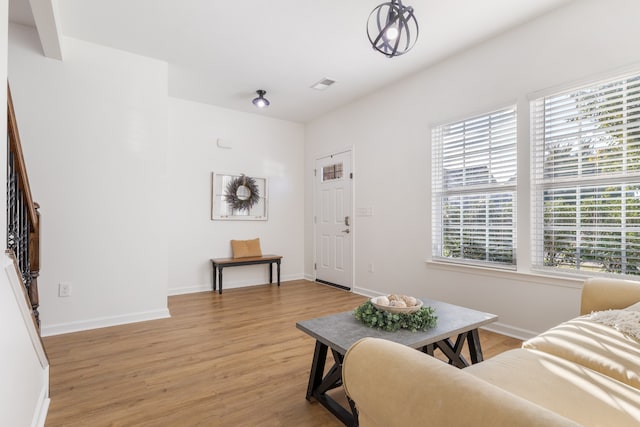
[
  {"x": 23, "y": 231},
  {"x": 18, "y": 222}
]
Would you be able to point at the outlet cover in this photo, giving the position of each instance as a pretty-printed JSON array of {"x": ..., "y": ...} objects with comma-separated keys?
[{"x": 64, "y": 289}]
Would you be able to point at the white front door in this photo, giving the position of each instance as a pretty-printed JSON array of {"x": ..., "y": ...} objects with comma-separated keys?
[{"x": 333, "y": 220}]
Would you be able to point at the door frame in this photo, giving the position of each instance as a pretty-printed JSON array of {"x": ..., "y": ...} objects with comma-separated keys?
[{"x": 348, "y": 149}]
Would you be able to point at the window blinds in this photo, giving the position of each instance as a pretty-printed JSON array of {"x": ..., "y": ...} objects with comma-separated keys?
[
  {"x": 586, "y": 178},
  {"x": 474, "y": 189}
]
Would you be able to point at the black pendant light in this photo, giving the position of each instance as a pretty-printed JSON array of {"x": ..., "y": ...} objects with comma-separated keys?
[
  {"x": 392, "y": 28},
  {"x": 261, "y": 101}
]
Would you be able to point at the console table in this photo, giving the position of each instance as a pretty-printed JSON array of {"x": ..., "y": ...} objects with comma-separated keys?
[{"x": 220, "y": 263}]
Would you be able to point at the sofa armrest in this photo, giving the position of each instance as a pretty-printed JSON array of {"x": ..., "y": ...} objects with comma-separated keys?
[
  {"x": 608, "y": 294},
  {"x": 394, "y": 385}
]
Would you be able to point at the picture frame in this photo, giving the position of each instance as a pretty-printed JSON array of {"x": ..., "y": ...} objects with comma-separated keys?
[{"x": 248, "y": 200}]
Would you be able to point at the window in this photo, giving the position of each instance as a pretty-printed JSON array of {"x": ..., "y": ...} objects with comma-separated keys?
[
  {"x": 474, "y": 189},
  {"x": 586, "y": 177},
  {"x": 332, "y": 172}
]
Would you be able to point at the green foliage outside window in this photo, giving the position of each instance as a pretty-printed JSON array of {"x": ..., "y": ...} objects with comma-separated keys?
[{"x": 594, "y": 223}]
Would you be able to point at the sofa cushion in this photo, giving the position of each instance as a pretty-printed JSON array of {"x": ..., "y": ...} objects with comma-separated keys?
[
  {"x": 593, "y": 345},
  {"x": 601, "y": 293},
  {"x": 569, "y": 389}
]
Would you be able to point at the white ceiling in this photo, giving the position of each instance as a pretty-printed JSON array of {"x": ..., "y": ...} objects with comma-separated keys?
[{"x": 221, "y": 52}]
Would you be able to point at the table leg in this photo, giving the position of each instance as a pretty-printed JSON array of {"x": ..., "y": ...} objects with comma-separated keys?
[
  {"x": 278, "y": 264},
  {"x": 429, "y": 349},
  {"x": 354, "y": 411},
  {"x": 220, "y": 279},
  {"x": 475, "y": 350},
  {"x": 317, "y": 368},
  {"x": 454, "y": 351},
  {"x": 270, "y": 272},
  {"x": 215, "y": 272},
  {"x": 319, "y": 384}
]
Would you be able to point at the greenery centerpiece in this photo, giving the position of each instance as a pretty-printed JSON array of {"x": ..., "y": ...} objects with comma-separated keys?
[{"x": 419, "y": 320}]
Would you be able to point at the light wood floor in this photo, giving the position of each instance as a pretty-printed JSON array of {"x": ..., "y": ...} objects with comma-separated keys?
[{"x": 235, "y": 359}]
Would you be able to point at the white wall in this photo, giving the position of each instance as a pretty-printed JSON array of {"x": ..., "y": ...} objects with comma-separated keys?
[
  {"x": 261, "y": 147},
  {"x": 123, "y": 175},
  {"x": 25, "y": 377},
  {"x": 94, "y": 133},
  {"x": 24, "y": 369},
  {"x": 390, "y": 133}
]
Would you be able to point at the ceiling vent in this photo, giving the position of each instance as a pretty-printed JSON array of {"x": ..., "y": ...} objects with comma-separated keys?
[{"x": 323, "y": 84}]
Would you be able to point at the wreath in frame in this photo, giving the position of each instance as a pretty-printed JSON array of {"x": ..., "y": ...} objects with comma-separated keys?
[{"x": 242, "y": 193}]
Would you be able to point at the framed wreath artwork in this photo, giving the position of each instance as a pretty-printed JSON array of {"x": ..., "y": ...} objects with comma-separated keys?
[{"x": 238, "y": 197}]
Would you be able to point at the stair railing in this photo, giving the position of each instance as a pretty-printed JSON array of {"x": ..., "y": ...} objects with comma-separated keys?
[{"x": 23, "y": 218}]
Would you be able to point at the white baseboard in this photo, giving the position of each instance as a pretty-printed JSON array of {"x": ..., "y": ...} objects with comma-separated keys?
[
  {"x": 103, "y": 322},
  {"x": 510, "y": 331},
  {"x": 190, "y": 289},
  {"x": 366, "y": 292},
  {"x": 42, "y": 406},
  {"x": 208, "y": 287}
]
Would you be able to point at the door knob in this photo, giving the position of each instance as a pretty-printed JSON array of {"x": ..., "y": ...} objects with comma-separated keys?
[{"x": 346, "y": 231}]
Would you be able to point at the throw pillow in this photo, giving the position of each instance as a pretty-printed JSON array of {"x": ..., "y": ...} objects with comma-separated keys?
[{"x": 246, "y": 248}]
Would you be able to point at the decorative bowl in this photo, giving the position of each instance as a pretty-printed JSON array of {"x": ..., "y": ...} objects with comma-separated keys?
[{"x": 391, "y": 309}]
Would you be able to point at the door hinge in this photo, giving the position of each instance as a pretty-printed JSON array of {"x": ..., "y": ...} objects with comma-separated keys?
[
  {"x": 351, "y": 175},
  {"x": 315, "y": 172},
  {"x": 315, "y": 266}
]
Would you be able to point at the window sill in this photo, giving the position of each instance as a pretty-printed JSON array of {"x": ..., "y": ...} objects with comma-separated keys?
[{"x": 567, "y": 281}]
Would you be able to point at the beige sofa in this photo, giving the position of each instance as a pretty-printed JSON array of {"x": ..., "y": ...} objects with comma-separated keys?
[{"x": 581, "y": 372}]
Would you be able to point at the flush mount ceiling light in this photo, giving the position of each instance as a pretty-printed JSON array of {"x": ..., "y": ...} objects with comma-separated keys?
[
  {"x": 392, "y": 28},
  {"x": 261, "y": 101}
]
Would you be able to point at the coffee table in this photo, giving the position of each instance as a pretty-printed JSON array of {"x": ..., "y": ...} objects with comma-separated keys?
[{"x": 340, "y": 331}]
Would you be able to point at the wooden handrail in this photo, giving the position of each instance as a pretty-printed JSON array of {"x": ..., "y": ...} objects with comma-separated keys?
[{"x": 15, "y": 146}]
